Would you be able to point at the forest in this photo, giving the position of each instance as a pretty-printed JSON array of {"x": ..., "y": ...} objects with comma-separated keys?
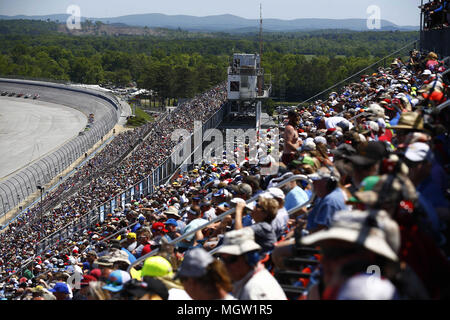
[{"x": 179, "y": 66}]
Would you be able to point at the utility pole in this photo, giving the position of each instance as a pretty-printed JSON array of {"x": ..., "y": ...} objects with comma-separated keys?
[{"x": 260, "y": 49}]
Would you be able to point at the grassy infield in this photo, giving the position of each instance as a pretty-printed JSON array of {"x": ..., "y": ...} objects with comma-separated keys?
[{"x": 141, "y": 117}]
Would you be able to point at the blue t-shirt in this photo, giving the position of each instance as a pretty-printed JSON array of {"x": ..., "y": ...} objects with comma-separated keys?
[
  {"x": 325, "y": 208},
  {"x": 136, "y": 227},
  {"x": 394, "y": 121},
  {"x": 295, "y": 197}
]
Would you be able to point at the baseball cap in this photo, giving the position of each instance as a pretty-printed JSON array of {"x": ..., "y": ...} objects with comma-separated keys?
[
  {"x": 274, "y": 192},
  {"x": 131, "y": 235},
  {"x": 171, "y": 222},
  {"x": 242, "y": 188},
  {"x": 238, "y": 242},
  {"x": 194, "y": 263},
  {"x": 325, "y": 173},
  {"x": 97, "y": 273},
  {"x": 150, "y": 285},
  {"x": 344, "y": 150},
  {"x": 60, "y": 287},
  {"x": 116, "y": 280},
  {"x": 320, "y": 139},
  {"x": 86, "y": 279},
  {"x": 308, "y": 146},
  {"x": 155, "y": 266},
  {"x": 374, "y": 230},
  {"x": 159, "y": 226},
  {"x": 369, "y": 153}
]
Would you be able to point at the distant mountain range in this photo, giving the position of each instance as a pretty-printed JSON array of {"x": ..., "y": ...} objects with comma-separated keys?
[{"x": 225, "y": 23}]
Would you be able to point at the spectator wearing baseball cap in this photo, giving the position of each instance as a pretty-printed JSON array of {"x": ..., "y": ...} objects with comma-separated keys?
[
  {"x": 419, "y": 158},
  {"x": 280, "y": 222},
  {"x": 116, "y": 280},
  {"x": 131, "y": 241},
  {"x": 295, "y": 195},
  {"x": 173, "y": 213},
  {"x": 366, "y": 162},
  {"x": 172, "y": 229},
  {"x": 330, "y": 198},
  {"x": 208, "y": 211},
  {"x": 61, "y": 291},
  {"x": 160, "y": 268},
  {"x": 194, "y": 220},
  {"x": 150, "y": 289},
  {"x": 203, "y": 277},
  {"x": 251, "y": 280},
  {"x": 82, "y": 293}
]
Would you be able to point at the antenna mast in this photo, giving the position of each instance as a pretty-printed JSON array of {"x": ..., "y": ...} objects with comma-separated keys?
[{"x": 260, "y": 50}]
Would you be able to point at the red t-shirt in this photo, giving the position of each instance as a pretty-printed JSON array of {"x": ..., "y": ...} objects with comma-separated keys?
[
  {"x": 147, "y": 248},
  {"x": 387, "y": 136}
]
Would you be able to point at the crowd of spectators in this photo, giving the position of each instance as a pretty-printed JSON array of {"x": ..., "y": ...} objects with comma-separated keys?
[
  {"x": 376, "y": 158},
  {"x": 436, "y": 14},
  {"x": 101, "y": 178}
]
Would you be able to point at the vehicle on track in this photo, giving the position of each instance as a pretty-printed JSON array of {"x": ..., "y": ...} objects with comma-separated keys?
[
  {"x": 36, "y": 96},
  {"x": 11, "y": 94},
  {"x": 20, "y": 95},
  {"x": 4, "y": 93},
  {"x": 27, "y": 96}
]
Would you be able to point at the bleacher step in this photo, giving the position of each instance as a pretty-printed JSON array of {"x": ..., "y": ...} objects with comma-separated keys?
[
  {"x": 306, "y": 250},
  {"x": 297, "y": 262},
  {"x": 291, "y": 274},
  {"x": 292, "y": 289}
]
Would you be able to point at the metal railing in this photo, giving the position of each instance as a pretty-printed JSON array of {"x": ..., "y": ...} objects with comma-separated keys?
[{"x": 218, "y": 219}]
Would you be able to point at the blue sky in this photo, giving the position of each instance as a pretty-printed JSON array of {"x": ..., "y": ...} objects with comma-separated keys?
[{"x": 401, "y": 12}]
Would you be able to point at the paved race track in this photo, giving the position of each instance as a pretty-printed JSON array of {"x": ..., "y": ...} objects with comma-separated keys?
[{"x": 30, "y": 129}]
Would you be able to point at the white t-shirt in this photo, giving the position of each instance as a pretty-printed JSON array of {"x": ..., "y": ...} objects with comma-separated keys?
[
  {"x": 210, "y": 214},
  {"x": 258, "y": 284},
  {"x": 332, "y": 122},
  {"x": 280, "y": 222},
  {"x": 178, "y": 294}
]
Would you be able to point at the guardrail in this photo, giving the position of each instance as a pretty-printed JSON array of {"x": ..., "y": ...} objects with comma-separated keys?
[
  {"x": 220, "y": 218},
  {"x": 19, "y": 186}
]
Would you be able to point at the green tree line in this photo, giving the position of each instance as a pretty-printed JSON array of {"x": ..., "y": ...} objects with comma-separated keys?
[{"x": 300, "y": 63}]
